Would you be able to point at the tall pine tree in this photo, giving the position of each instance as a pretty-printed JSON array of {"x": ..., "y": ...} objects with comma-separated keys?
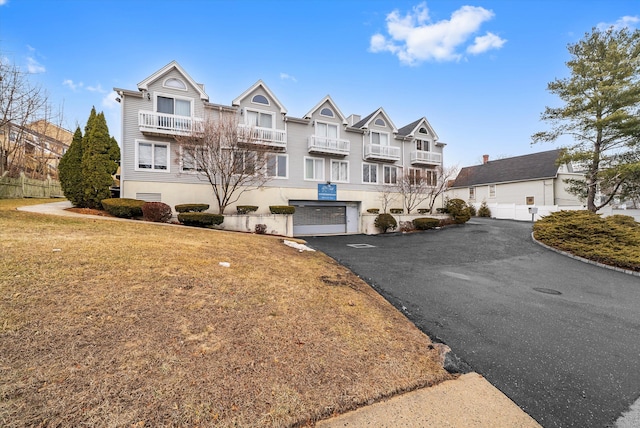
[{"x": 70, "y": 171}]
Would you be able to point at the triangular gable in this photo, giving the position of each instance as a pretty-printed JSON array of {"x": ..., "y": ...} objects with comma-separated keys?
[
  {"x": 411, "y": 129},
  {"x": 256, "y": 85},
  {"x": 326, "y": 99},
  {"x": 364, "y": 123},
  {"x": 144, "y": 85}
]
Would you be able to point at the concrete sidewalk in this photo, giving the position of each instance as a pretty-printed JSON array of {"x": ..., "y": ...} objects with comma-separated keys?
[{"x": 469, "y": 401}]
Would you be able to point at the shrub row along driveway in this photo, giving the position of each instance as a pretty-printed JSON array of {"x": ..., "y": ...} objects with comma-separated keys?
[{"x": 558, "y": 336}]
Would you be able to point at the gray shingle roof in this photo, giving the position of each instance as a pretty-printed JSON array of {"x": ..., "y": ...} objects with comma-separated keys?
[
  {"x": 535, "y": 166},
  {"x": 407, "y": 129}
]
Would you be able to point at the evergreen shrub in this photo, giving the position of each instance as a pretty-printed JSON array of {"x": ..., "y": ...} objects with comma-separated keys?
[
  {"x": 458, "y": 210},
  {"x": 158, "y": 212},
  {"x": 246, "y": 209},
  {"x": 123, "y": 207},
  {"x": 424, "y": 210},
  {"x": 191, "y": 208},
  {"x": 282, "y": 209},
  {"x": 373, "y": 210},
  {"x": 200, "y": 219},
  {"x": 396, "y": 210},
  {"x": 385, "y": 222},
  {"x": 484, "y": 210},
  {"x": 424, "y": 223},
  {"x": 472, "y": 209}
]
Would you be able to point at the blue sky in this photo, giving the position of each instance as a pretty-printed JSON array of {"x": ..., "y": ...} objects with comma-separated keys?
[{"x": 476, "y": 69}]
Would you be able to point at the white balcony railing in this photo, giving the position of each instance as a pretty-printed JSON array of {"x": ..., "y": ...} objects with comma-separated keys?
[
  {"x": 152, "y": 122},
  {"x": 263, "y": 136},
  {"x": 426, "y": 158},
  {"x": 336, "y": 146},
  {"x": 376, "y": 151}
]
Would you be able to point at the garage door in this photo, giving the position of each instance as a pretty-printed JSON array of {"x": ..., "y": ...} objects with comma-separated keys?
[{"x": 310, "y": 219}]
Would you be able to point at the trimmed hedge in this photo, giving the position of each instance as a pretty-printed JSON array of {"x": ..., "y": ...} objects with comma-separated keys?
[
  {"x": 396, "y": 210},
  {"x": 246, "y": 209},
  {"x": 123, "y": 207},
  {"x": 191, "y": 208},
  {"x": 373, "y": 210},
  {"x": 158, "y": 212},
  {"x": 424, "y": 223},
  {"x": 282, "y": 209},
  {"x": 424, "y": 210},
  {"x": 200, "y": 219},
  {"x": 385, "y": 221}
]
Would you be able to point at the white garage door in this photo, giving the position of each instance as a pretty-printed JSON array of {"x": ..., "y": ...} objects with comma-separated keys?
[{"x": 310, "y": 219}]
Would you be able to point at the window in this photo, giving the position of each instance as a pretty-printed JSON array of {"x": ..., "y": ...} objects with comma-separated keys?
[
  {"x": 422, "y": 145},
  {"x": 369, "y": 173},
  {"x": 492, "y": 190},
  {"x": 259, "y": 119},
  {"x": 380, "y": 122},
  {"x": 189, "y": 162},
  {"x": 431, "y": 177},
  {"x": 314, "y": 169},
  {"x": 276, "y": 165},
  {"x": 530, "y": 200},
  {"x": 423, "y": 130},
  {"x": 174, "y": 83},
  {"x": 326, "y": 130},
  {"x": 379, "y": 138},
  {"x": 415, "y": 175},
  {"x": 152, "y": 156},
  {"x": 339, "y": 171},
  {"x": 260, "y": 99},
  {"x": 472, "y": 192},
  {"x": 175, "y": 106},
  {"x": 244, "y": 162},
  {"x": 390, "y": 174},
  {"x": 326, "y": 112}
]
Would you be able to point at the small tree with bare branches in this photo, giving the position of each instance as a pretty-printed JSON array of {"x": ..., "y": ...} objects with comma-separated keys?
[
  {"x": 417, "y": 186},
  {"x": 227, "y": 156}
]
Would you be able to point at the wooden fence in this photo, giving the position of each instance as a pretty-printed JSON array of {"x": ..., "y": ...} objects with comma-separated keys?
[{"x": 23, "y": 187}]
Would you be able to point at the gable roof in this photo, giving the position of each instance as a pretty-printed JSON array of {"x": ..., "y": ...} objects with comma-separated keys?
[
  {"x": 535, "y": 166},
  {"x": 256, "y": 85},
  {"x": 329, "y": 100},
  {"x": 364, "y": 123},
  {"x": 410, "y": 129},
  {"x": 144, "y": 85}
]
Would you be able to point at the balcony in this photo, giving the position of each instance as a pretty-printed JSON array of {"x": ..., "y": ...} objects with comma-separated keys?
[
  {"x": 420, "y": 157},
  {"x": 381, "y": 153},
  {"x": 328, "y": 146},
  {"x": 154, "y": 123},
  {"x": 263, "y": 136}
]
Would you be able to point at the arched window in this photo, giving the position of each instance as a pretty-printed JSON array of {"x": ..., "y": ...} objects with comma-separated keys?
[
  {"x": 423, "y": 130},
  {"x": 326, "y": 112},
  {"x": 174, "y": 83},
  {"x": 380, "y": 122},
  {"x": 260, "y": 99}
]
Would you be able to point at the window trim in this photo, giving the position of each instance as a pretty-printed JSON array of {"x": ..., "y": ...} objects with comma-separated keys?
[
  {"x": 314, "y": 163},
  {"x": 472, "y": 193},
  {"x": 174, "y": 97},
  {"x": 184, "y": 171},
  {"x": 422, "y": 142},
  {"x": 322, "y": 122},
  {"x": 153, "y": 144},
  {"x": 390, "y": 167},
  {"x": 258, "y": 102},
  {"x": 491, "y": 190},
  {"x": 332, "y": 115},
  {"x": 369, "y": 164},
  {"x": 183, "y": 88},
  {"x": 338, "y": 161},
  {"x": 276, "y": 155},
  {"x": 379, "y": 133},
  {"x": 380, "y": 122},
  {"x": 254, "y": 110}
]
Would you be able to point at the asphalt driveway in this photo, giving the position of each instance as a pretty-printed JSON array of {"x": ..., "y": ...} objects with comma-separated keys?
[{"x": 561, "y": 338}]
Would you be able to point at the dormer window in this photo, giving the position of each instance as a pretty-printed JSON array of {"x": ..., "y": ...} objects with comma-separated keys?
[
  {"x": 260, "y": 99},
  {"x": 423, "y": 131},
  {"x": 175, "y": 83},
  {"x": 380, "y": 122},
  {"x": 327, "y": 112}
]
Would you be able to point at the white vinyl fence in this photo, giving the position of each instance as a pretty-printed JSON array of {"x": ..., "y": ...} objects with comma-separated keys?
[{"x": 522, "y": 213}]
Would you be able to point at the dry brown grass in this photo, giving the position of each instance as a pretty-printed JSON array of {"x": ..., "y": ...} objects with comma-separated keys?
[{"x": 137, "y": 324}]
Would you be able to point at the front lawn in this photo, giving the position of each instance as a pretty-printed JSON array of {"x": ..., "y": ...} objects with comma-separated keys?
[{"x": 109, "y": 323}]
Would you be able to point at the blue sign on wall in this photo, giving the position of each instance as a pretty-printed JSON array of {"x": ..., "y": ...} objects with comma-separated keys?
[{"x": 327, "y": 192}]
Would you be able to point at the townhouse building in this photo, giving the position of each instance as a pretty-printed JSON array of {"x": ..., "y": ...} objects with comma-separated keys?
[{"x": 330, "y": 166}]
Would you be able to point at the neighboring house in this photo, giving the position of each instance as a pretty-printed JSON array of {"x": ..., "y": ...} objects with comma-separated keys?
[
  {"x": 529, "y": 180},
  {"x": 331, "y": 167},
  {"x": 34, "y": 150}
]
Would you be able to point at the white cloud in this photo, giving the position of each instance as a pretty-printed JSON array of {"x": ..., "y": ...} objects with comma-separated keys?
[
  {"x": 97, "y": 88},
  {"x": 3, "y": 2},
  {"x": 34, "y": 66},
  {"x": 72, "y": 85},
  {"x": 624, "y": 22},
  {"x": 285, "y": 76},
  {"x": 109, "y": 101},
  {"x": 485, "y": 43},
  {"x": 414, "y": 38}
]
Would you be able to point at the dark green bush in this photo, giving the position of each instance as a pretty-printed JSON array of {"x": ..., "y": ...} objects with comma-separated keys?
[
  {"x": 282, "y": 209},
  {"x": 588, "y": 235},
  {"x": 484, "y": 210},
  {"x": 396, "y": 210},
  {"x": 442, "y": 210},
  {"x": 385, "y": 222},
  {"x": 246, "y": 209},
  {"x": 373, "y": 210},
  {"x": 191, "y": 208},
  {"x": 158, "y": 212},
  {"x": 458, "y": 210},
  {"x": 424, "y": 210},
  {"x": 424, "y": 223},
  {"x": 200, "y": 219},
  {"x": 123, "y": 207},
  {"x": 472, "y": 210}
]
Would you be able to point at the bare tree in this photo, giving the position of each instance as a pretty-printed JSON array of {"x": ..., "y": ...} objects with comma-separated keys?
[
  {"x": 414, "y": 186},
  {"x": 444, "y": 177},
  {"x": 387, "y": 195},
  {"x": 227, "y": 156}
]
